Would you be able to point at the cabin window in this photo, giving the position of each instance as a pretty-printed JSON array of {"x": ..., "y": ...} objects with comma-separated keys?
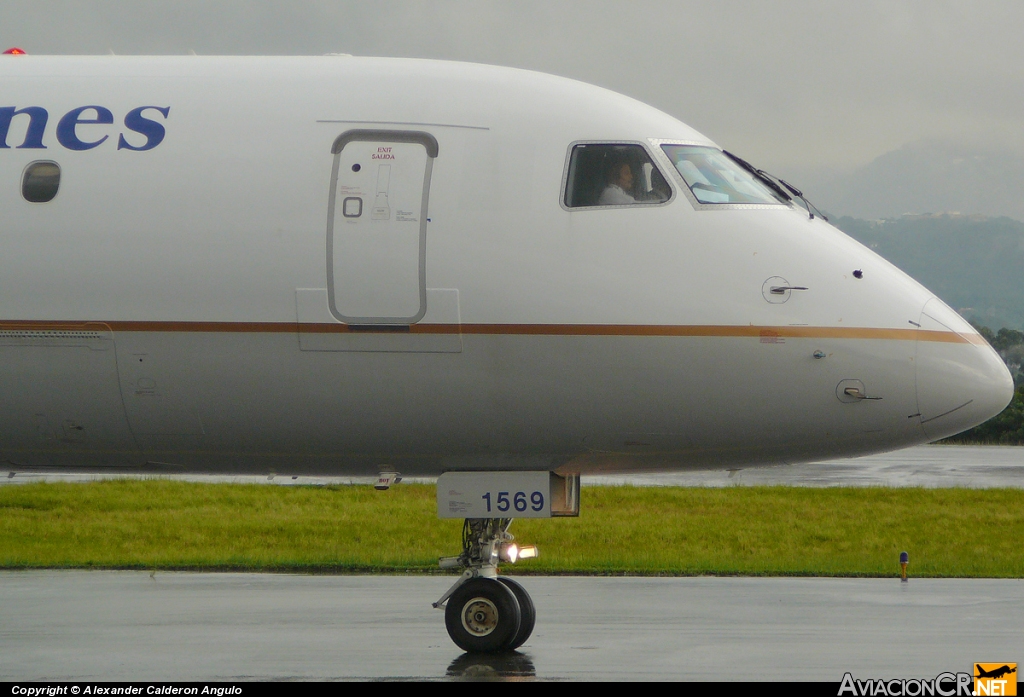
[
  {"x": 40, "y": 182},
  {"x": 613, "y": 175},
  {"x": 714, "y": 177}
]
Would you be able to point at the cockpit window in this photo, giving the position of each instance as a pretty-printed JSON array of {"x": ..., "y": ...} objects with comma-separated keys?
[
  {"x": 715, "y": 178},
  {"x": 613, "y": 175}
]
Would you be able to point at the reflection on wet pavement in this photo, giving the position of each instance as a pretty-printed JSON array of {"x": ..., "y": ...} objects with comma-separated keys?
[{"x": 510, "y": 666}]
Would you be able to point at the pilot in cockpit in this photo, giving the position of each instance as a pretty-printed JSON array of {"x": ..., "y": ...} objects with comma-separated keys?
[{"x": 619, "y": 190}]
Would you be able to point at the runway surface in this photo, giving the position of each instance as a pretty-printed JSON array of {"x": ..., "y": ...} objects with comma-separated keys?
[
  {"x": 982, "y": 466},
  {"x": 972, "y": 466},
  {"x": 103, "y": 625}
]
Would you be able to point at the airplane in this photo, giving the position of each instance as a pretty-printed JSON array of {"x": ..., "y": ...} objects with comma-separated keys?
[
  {"x": 389, "y": 267},
  {"x": 995, "y": 673}
]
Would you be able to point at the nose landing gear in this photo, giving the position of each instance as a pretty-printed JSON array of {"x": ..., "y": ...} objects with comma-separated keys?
[{"x": 482, "y": 611}]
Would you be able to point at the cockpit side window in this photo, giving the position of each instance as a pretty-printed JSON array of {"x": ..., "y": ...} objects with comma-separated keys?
[{"x": 613, "y": 175}]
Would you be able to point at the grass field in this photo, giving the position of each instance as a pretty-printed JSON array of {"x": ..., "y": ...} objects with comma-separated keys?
[{"x": 159, "y": 524}]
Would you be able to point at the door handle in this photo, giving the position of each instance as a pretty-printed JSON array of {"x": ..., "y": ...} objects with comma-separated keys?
[{"x": 856, "y": 393}]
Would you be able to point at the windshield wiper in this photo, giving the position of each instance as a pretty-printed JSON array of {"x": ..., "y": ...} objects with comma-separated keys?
[
  {"x": 778, "y": 185},
  {"x": 811, "y": 208},
  {"x": 761, "y": 175}
]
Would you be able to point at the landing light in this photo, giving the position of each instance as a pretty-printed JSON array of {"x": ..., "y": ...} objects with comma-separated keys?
[
  {"x": 528, "y": 552},
  {"x": 513, "y": 552}
]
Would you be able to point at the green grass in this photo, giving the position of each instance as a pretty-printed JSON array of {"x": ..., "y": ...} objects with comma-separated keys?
[{"x": 162, "y": 524}]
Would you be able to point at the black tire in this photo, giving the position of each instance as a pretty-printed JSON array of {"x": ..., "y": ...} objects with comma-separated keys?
[
  {"x": 482, "y": 616},
  {"x": 527, "y": 611}
]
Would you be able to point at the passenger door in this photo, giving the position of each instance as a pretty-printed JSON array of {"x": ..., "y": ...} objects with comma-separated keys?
[{"x": 377, "y": 226}]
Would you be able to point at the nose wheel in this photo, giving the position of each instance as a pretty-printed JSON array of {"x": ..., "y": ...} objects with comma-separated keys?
[
  {"x": 483, "y": 615},
  {"x": 527, "y": 612},
  {"x": 483, "y": 612}
]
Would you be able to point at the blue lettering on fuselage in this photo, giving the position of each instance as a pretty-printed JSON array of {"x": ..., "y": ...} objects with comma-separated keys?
[
  {"x": 82, "y": 127},
  {"x": 67, "y": 128},
  {"x": 153, "y": 130}
]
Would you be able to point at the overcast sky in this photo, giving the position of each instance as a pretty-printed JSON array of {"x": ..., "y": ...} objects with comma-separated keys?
[{"x": 801, "y": 87}]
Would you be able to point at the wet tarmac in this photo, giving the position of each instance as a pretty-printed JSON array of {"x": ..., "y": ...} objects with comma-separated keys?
[
  {"x": 983, "y": 467},
  {"x": 103, "y": 625},
  {"x": 972, "y": 466}
]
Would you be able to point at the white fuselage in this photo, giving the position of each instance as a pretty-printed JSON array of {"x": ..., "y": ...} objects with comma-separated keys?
[{"x": 178, "y": 306}]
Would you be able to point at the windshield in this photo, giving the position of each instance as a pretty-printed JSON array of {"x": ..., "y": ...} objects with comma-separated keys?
[{"x": 714, "y": 178}]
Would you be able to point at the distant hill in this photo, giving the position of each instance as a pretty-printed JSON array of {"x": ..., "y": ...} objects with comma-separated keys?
[
  {"x": 974, "y": 263},
  {"x": 928, "y": 177}
]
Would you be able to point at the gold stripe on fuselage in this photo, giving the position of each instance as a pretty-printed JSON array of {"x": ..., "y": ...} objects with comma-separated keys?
[{"x": 685, "y": 330}]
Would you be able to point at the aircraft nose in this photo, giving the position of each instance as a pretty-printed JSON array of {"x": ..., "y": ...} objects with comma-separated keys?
[{"x": 961, "y": 381}]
